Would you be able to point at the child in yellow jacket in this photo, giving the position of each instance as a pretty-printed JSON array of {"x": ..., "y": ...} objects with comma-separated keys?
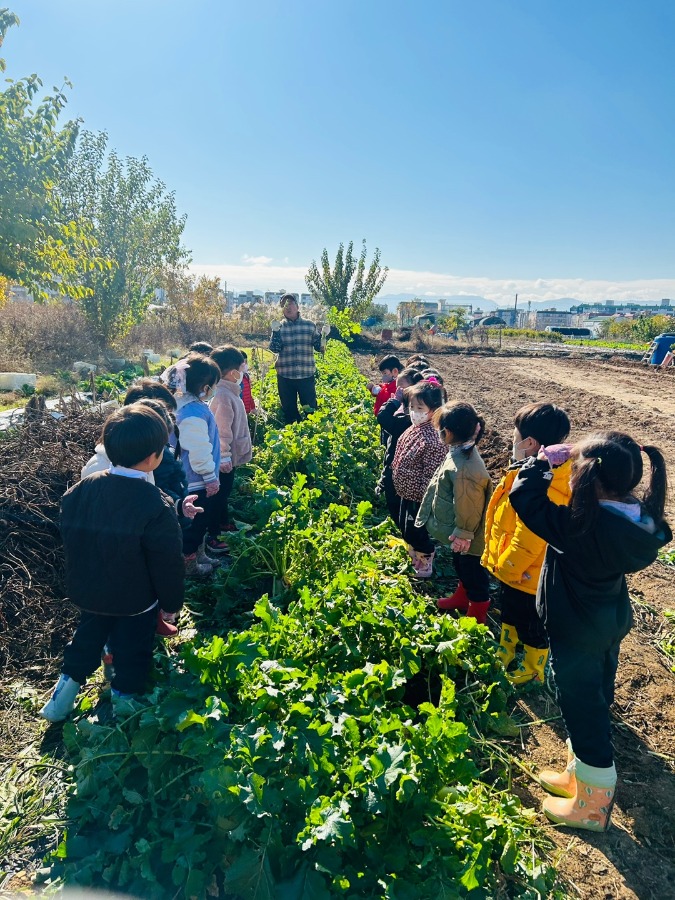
[{"x": 513, "y": 553}]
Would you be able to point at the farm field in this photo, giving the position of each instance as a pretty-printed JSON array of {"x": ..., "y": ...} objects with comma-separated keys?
[
  {"x": 318, "y": 730},
  {"x": 635, "y": 859},
  {"x": 302, "y": 556}
]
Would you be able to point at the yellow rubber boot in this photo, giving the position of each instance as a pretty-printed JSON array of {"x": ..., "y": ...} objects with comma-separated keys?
[
  {"x": 591, "y": 807},
  {"x": 531, "y": 668},
  {"x": 562, "y": 784},
  {"x": 507, "y": 645}
]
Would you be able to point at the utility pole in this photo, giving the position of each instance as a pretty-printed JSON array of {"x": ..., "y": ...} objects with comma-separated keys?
[{"x": 515, "y": 313}]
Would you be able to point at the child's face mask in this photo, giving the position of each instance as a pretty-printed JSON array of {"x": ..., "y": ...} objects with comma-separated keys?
[
  {"x": 206, "y": 393},
  {"x": 387, "y": 377},
  {"x": 418, "y": 417},
  {"x": 518, "y": 451}
]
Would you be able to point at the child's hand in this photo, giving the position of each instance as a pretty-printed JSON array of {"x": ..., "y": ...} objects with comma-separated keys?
[
  {"x": 460, "y": 545},
  {"x": 212, "y": 488},
  {"x": 226, "y": 466},
  {"x": 276, "y": 326},
  {"x": 555, "y": 454},
  {"x": 189, "y": 508}
]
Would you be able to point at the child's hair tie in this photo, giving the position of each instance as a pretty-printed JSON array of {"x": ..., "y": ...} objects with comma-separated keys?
[
  {"x": 174, "y": 377},
  {"x": 433, "y": 380},
  {"x": 642, "y": 449},
  {"x": 598, "y": 459}
]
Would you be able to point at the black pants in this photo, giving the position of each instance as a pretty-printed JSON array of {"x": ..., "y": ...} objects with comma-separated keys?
[
  {"x": 584, "y": 679},
  {"x": 292, "y": 389},
  {"x": 386, "y": 487},
  {"x": 418, "y": 538},
  {"x": 130, "y": 639},
  {"x": 219, "y": 512},
  {"x": 520, "y": 610},
  {"x": 196, "y": 530},
  {"x": 473, "y": 576}
]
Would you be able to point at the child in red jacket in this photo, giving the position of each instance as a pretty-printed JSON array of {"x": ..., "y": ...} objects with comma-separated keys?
[
  {"x": 246, "y": 395},
  {"x": 390, "y": 367}
]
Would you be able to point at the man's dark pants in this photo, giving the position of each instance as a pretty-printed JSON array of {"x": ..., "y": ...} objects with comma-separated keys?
[{"x": 293, "y": 389}]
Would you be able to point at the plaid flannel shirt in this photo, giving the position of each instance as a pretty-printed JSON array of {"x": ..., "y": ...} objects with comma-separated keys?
[{"x": 295, "y": 343}]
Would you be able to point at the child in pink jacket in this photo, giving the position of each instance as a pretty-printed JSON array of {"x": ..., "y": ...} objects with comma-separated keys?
[{"x": 235, "y": 437}]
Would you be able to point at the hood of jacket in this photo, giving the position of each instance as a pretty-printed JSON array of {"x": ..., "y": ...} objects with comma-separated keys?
[{"x": 513, "y": 553}]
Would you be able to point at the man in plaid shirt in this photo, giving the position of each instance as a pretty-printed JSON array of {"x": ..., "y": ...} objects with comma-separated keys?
[{"x": 294, "y": 340}]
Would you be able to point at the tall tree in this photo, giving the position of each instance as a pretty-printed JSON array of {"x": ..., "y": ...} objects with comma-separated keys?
[
  {"x": 40, "y": 246},
  {"x": 196, "y": 306},
  {"x": 347, "y": 287},
  {"x": 135, "y": 224}
]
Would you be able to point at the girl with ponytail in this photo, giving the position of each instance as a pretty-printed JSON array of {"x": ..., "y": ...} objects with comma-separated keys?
[
  {"x": 606, "y": 532},
  {"x": 453, "y": 507}
]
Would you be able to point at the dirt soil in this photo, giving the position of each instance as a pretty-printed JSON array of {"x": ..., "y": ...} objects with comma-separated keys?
[{"x": 636, "y": 857}]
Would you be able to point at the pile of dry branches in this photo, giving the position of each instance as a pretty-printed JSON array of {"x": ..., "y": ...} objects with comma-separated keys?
[{"x": 39, "y": 461}]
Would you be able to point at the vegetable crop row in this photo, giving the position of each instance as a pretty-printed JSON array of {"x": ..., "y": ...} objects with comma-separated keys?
[{"x": 325, "y": 749}]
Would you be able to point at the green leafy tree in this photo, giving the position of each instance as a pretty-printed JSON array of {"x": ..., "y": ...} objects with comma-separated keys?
[
  {"x": 348, "y": 286},
  {"x": 456, "y": 320},
  {"x": 40, "y": 245},
  {"x": 640, "y": 330},
  {"x": 194, "y": 306},
  {"x": 136, "y": 225}
]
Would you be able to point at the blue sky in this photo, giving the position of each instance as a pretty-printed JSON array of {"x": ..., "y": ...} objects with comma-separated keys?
[{"x": 485, "y": 147}]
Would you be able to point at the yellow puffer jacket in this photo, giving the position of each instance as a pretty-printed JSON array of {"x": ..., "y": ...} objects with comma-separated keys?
[{"x": 512, "y": 552}]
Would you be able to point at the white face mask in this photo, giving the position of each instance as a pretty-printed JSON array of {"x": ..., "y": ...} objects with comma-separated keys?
[
  {"x": 240, "y": 377},
  {"x": 516, "y": 453},
  {"x": 245, "y": 369},
  {"x": 418, "y": 418},
  {"x": 205, "y": 393}
]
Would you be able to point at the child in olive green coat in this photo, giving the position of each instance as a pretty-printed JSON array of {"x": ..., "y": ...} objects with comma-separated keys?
[{"x": 453, "y": 508}]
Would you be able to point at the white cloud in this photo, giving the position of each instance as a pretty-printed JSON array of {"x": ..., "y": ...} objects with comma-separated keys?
[
  {"x": 259, "y": 272},
  {"x": 257, "y": 260}
]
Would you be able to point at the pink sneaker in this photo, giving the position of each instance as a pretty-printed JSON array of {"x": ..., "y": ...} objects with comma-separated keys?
[{"x": 423, "y": 564}]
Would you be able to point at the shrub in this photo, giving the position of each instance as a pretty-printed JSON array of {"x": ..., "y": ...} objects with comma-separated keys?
[{"x": 43, "y": 338}]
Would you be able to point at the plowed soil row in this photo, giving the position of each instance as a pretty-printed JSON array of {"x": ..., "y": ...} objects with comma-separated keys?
[{"x": 636, "y": 857}]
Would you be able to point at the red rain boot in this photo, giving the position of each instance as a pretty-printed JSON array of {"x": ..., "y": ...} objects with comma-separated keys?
[
  {"x": 478, "y": 611},
  {"x": 459, "y": 600},
  {"x": 164, "y": 628}
]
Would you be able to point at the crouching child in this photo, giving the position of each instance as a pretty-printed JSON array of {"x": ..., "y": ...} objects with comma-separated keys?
[{"x": 124, "y": 560}]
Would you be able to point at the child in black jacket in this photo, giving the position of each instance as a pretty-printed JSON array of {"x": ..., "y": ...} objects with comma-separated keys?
[
  {"x": 124, "y": 559},
  {"x": 583, "y": 599},
  {"x": 393, "y": 418}
]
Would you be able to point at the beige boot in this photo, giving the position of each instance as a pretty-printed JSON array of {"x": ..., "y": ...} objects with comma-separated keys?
[
  {"x": 562, "y": 784},
  {"x": 591, "y": 808},
  {"x": 507, "y": 645}
]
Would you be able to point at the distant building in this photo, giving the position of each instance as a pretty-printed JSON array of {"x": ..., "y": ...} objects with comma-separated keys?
[
  {"x": 247, "y": 297},
  {"x": 19, "y": 294},
  {"x": 542, "y": 318},
  {"x": 273, "y": 298},
  {"x": 510, "y": 315}
]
